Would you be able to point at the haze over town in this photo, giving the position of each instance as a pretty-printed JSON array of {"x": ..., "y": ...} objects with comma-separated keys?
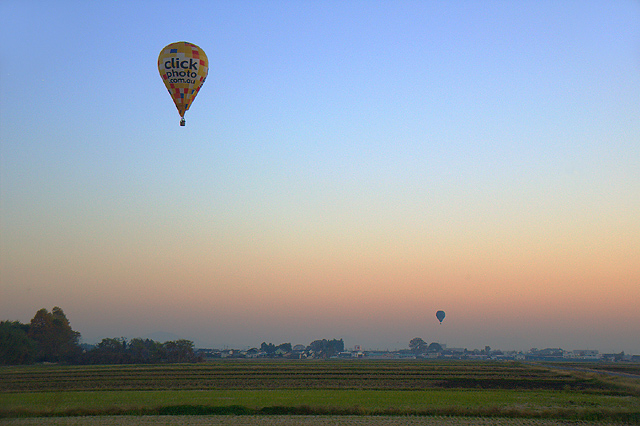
[{"x": 347, "y": 170}]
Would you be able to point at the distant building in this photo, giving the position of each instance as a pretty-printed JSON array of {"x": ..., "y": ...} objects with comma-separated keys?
[
  {"x": 548, "y": 354},
  {"x": 583, "y": 354}
]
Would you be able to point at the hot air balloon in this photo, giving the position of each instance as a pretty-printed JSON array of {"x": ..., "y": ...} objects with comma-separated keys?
[
  {"x": 440, "y": 316},
  {"x": 183, "y": 67}
]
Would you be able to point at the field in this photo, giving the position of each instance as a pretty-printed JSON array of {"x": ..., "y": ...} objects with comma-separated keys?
[
  {"x": 293, "y": 421},
  {"x": 320, "y": 392}
]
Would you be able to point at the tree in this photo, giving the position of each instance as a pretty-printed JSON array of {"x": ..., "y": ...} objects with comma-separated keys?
[
  {"x": 336, "y": 346},
  {"x": 141, "y": 351},
  {"x": 434, "y": 347},
  {"x": 55, "y": 339},
  {"x": 326, "y": 348},
  {"x": 15, "y": 345},
  {"x": 110, "y": 351},
  {"x": 179, "y": 351},
  {"x": 284, "y": 347},
  {"x": 268, "y": 348},
  {"x": 417, "y": 345},
  {"x": 144, "y": 351}
]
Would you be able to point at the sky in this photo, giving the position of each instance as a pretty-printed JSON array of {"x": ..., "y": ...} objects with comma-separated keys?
[{"x": 347, "y": 169}]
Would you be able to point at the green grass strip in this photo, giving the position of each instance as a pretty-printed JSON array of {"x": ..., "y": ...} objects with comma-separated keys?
[{"x": 504, "y": 403}]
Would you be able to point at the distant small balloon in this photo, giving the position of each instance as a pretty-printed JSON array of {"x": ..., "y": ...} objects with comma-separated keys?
[{"x": 440, "y": 316}]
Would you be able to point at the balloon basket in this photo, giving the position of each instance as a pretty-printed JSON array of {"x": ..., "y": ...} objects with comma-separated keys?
[{"x": 183, "y": 122}]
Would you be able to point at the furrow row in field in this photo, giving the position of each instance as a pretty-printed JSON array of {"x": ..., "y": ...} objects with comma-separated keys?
[
  {"x": 328, "y": 382},
  {"x": 224, "y": 375}
]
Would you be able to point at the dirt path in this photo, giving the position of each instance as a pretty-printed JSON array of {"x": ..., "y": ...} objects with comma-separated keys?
[{"x": 289, "y": 421}]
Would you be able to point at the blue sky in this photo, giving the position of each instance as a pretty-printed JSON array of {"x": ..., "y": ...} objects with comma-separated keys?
[{"x": 369, "y": 157}]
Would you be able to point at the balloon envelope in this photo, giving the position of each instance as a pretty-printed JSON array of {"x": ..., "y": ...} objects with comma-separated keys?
[
  {"x": 440, "y": 315},
  {"x": 183, "y": 67}
]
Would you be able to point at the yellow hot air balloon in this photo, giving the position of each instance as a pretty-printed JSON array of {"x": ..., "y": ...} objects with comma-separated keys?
[{"x": 183, "y": 67}]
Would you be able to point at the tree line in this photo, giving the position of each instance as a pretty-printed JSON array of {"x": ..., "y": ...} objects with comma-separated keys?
[
  {"x": 418, "y": 346},
  {"x": 48, "y": 337},
  {"x": 321, "y": 348}
]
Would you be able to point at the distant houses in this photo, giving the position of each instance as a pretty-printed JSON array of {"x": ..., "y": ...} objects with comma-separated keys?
[{"x": 305, "y": 352}]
